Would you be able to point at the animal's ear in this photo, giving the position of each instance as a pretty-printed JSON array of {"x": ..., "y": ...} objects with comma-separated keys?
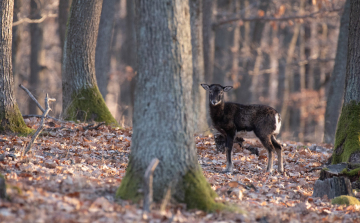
[
  {"x": 227, "y": 88},
  {"x": 205, "y": 86}
]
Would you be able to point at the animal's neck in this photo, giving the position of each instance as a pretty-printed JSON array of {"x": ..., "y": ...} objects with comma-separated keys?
[{"x": 217, "y": 110}]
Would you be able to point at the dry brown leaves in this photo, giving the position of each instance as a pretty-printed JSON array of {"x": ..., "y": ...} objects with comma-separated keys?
[{"x": 72, "y": 176}]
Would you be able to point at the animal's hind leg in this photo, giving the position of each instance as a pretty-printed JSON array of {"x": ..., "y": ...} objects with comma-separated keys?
[
  {"x": 278, "y": 149},
  {"x": 266, "y": 141}
]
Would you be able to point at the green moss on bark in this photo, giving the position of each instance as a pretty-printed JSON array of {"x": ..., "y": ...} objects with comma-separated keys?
[
  {"x": 12, "y": 120},
  {"x": 345, "y": 200},
  {"x": 351, "y": 173},
  {"x": 129, "y": 186},
  {"x": 347, "y": 138},
  {"x": 198, "y": 193},
  {"x": 88, "y": 104}
]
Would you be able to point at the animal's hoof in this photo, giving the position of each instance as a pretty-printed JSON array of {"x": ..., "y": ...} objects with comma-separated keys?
[{"x": 229, "y": 169}]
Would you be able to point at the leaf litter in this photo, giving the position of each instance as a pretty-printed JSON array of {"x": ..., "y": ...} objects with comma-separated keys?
[{"x": 71, "y": 175}]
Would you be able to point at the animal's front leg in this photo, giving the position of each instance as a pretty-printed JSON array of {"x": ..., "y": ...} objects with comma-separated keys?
[{"x": 229, "y": 145}]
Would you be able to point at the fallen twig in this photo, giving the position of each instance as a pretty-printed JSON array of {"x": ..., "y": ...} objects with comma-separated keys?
[
  {"x": 47, "y": 106},
  {"x": 37, "y": 103},
  {"x": 148, "y": 183}
]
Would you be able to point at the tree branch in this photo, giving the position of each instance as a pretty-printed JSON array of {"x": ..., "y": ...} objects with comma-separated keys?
[
  {"x": 37, "y": 103},
  {"x": 148, "y": 183},
  {"x": 264, "y": 18},
  {"x": 41, "y": 127},
  {"x": 27, "y": 20}
]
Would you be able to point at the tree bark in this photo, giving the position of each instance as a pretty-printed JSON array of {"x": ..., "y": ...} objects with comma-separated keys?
[
  {"x": 16, "y": 39},
  {"x": 209, "y": 12},
  {"x": 37, "y": 56},
  {"x": 302, "y": 72},
  {"x": 103, "y": 53},
  {"x": 163, "y": 107},
  {"x": 198, "y": 94},
  {"x": 128, "y": 56},
  {"x": 82, "y": 99},
  {"x": 337, "y": 79},
  {"x": 64, "y": 7},
  {"x": 347, "y": 139},
  {"x": 10, "y": 116}
]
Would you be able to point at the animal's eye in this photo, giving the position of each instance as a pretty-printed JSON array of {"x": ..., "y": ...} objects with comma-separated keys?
[{"x": 210, "y": 92}]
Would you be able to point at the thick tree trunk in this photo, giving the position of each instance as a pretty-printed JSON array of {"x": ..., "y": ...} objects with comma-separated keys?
[
  {"x": 163, "y": 107},
  {"x": 37, "y": 57},
  {"x": 16, "y": 39},
  {"x": 64, "y": 7},
  {"x": 347, "y": 139},
  {"x": 10, "y": 116},
  {"x": 198, "y": 94},
  {"x": 337, "y": 79},
  {"x": 103, "y": 53},
  {"x": 209, "y": 12},
  {"x": 82, "y": 99}
]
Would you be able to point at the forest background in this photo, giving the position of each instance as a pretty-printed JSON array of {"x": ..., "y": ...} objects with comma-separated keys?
[{"x": 280, "y": 53}]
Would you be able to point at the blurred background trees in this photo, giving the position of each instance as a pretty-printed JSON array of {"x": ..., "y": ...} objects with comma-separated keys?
[{"x": 281, "y": 53}]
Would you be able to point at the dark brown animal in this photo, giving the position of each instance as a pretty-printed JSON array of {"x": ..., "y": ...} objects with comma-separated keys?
[{"x": 232, "y": 119}]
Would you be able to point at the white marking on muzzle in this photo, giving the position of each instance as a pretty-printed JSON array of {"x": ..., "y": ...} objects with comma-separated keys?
[{"x": 215, "y": 103}]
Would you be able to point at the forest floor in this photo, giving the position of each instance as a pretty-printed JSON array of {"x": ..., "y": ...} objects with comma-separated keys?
[{"x": 71, "y": 175}]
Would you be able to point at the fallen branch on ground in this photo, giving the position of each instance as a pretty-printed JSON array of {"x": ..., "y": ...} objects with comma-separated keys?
[
  {"x": 148, "y": 183},
  {"x": 37, "y": 103},
  {"x": 36, "y": 134}
]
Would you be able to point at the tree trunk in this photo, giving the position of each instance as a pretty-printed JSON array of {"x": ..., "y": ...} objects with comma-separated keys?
[
  {"x": 37, "y": 57},
  {"x": 82, "y": 99},
  {"x": 10, "y": 116},
  {"x": 64, "y": 7},
  {"x": 288, "y": 82},
  {"x": 16, "y": 39},
  {"x": 274, "y": 66},
  {"x": 198, "y": 94},
  {"x": 337, "y": 79},
  {"x": 209, "y": 7},
  {"x": 347, "y": 139},
  {"x": 163, "y": 108},
  {"x": 103, "y": 53},
  {"x": 302, "y": 72},
  {"x": 243, "y": 93},
  {"x": 128, "y": 56}
]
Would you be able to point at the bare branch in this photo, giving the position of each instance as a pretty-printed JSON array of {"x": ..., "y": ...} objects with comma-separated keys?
[
  {"x": 264, "y": 18},
  {"x": 148, "y": 183},
  {"x": 37, "y": 103},
  {"x": 41, "y": 127},
  {"x": 27, "y": 20}
]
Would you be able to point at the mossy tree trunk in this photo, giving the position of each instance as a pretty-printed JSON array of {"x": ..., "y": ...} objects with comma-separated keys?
[
  {"x": 10, "y": 116},
  {"x": 102, "y": 55},
  {"x": 82, "y": 99},
  {"x": 337, "y": 79},
  {"x": 163, "y": 119},
  {"x": 198, "y": 94},
  {"x": 16, "y": 40},
  {"x": 347, "y": 139}
]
